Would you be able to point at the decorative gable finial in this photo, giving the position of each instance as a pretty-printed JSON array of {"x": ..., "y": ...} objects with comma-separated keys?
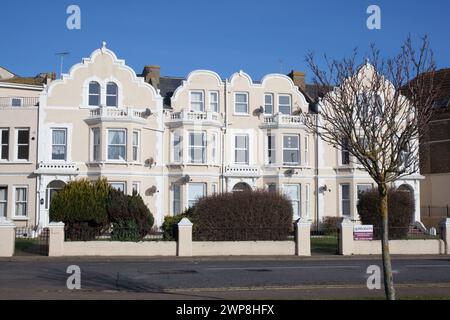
[
  {"x": 367, "y": 61},
  {"x": 103, "y": 45}
]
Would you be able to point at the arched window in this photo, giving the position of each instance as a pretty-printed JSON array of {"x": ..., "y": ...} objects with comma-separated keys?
[
  {"x": 94, "y": 93},
  {"x": 111, "y": 94},
  {"x": 52, "y": 189}
]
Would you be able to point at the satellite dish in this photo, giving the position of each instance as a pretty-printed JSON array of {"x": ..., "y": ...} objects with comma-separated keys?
[{"x": 147, "y": 113}]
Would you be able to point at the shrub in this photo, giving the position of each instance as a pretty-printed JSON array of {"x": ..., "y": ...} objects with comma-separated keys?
[
  {"x": 243, "y": 216},
  {"x": 330, "y": 225},
  {"x": 126, "y": 230},
  {"x": 400, "y": 205},
  {"x": 130, "y": 214},
  {"x": 170, "y": 225},
  {"x": 81, "y": 205}
]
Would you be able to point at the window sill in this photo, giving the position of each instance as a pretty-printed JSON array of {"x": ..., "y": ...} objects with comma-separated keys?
[
  {"x": 20, "y": 218},
  {"x": 15, "y": 162},
  {"x": 241, "y": 114}
]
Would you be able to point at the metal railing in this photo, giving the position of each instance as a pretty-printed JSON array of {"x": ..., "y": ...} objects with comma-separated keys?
[
  {"x": 252, "y": 233},
  {"x": 18, "y": 102},
  {"x": 31, "y": 241}
]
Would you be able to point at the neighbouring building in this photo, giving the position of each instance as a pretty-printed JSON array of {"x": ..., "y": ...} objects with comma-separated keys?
[
  {"x": 170, "y": 139},
  {"x": 435, "y": 153}
]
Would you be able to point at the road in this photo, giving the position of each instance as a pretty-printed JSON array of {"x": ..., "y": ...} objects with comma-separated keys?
[{"x": 218, "y": 278}]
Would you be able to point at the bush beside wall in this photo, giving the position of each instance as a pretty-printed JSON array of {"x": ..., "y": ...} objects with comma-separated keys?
[
  {"x": 243, "y": 216},
  {"x": 400, "y": 205}
]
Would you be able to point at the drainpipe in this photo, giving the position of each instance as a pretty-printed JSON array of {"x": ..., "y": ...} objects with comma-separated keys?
[
  {"x": 316, "y": 137},
  {"x": 223, "y": 136}
]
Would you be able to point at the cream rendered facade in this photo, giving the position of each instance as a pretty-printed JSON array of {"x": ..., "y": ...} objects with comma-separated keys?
[{"x": 102, "y": 120}]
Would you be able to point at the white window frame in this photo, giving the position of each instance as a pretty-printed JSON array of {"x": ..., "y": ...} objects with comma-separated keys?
[
  {"x": 192, "y": 202},
  {"x": 271, "y": 95},
  {"x": 214, "y": 148},
  {"x": 203, "y": 147},
  {"x": 246, "y": 149},
  {"x": 136, "y": 186},
  {"x": 123, "y": 145},
  {"x": 200, "y": 102},
  {"x": 4, "y": 201},
  {"x": 176, "y": 202},
  {"x": 271, "y": 150},
  {"x": 307, "y": 200},
  {"x": 341, "y": 199},
  {"x": 306, "y": 150},
  {"x": 15, "y": 202},
  {"x": 96, "y": 148},
  {"x": 2, "y": 144},
  {"x": 214, "y": 105},
  {"x": 177, "y": 150},
  {"x": 297, "y": 201},
  {"x": 341, "y": 156},
  {"x": 136, "y": 147},
  {"x": 60, "y": 145},
  {"x": 99, "y": 95},
  {"x": 112, "y": 95},
  {"x": 17, "y": 144},
  {"x": 241, "y": 103},
  {"x": 280, "y": 105},
  {"x": 298, "y": 149},
  {"x": 123, "y": 183},
  {"x": 214, "y": 188}
]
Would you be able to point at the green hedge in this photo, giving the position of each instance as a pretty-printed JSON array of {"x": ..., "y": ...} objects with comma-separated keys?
[
  {"x": 400, "y": 205},
  {"x": 81, "y": 205},
  {"x": 243, "y": 216}
]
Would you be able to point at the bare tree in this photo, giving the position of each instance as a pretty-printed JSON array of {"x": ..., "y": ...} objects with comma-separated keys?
[{"x": 378, "y": 112}]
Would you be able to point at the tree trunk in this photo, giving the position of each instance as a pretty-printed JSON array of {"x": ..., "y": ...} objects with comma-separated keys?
[{"x": 387, "y": 266}]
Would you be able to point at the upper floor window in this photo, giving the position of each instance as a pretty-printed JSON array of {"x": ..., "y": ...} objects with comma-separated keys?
[
  {"x": 96, "y": 144},
  {"x": 197, "y": 101},
  {"x": 23, "y": 144},
  {"x": 268, "y": 103},
  {"x": 59, "y": 144},
  {"x": 4, "y": 142},
  {"x": 177, "y": 147},
  {"x": 94, "y": 93},
  {"x": 117, "y": 144},
  {"x": 241, "y": 149},
  {"x": 136, "y": 145},
  {"x": 306, "y": 151},
  {"x": 197, "y": 147},
  {"x": 345, "y": 154},
  {"x": 112, "y": 92},
  {"x": 176, "y": 199},
  {"x": 214, "y": 147},
  {"x": 214, "y": 101},
  {"x": 272, "y": 187},
  {"x": 284, "y": 104},
  {"x": 291, "y": 150},
  {"x": 241, "y": 102}
]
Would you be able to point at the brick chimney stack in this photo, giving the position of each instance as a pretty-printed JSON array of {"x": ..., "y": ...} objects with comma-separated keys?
[
  {"x": 298, "y": 78},
  {"x": 152, "y": 75}
]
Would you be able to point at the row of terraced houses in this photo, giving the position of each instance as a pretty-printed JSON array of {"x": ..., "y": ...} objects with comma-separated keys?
[{"x": 170, "y": 139}]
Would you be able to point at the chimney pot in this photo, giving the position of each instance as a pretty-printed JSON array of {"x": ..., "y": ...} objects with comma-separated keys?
[{"x": 152, "y": 75}]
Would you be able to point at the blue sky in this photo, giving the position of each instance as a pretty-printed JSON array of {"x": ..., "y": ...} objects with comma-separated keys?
[{"x": 224, "y": 36}]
